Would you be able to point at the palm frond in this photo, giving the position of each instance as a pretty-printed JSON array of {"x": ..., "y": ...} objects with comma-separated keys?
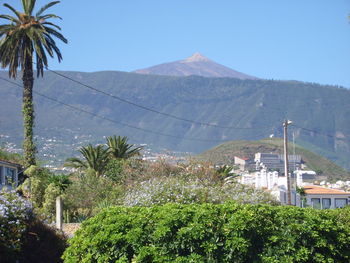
[
  {"x": 56, "y": 34},
  {"x": 10, "y": 18},
  {"x": 22, "y": 39},
  {"x": 51, "y": 24},
  {"x": 13, "y": 10},
  {"x": 44, "y": 17},
  {"x": 45, "y": 7},
  {"x": 119, "y": 147},
  {"x": 75, "y": 163},
  {"x": 28, "y": 6},
  {"x": 31, "y": 4}
]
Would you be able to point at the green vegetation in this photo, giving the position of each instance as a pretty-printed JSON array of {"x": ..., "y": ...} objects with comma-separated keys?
[
  {"x": 101, "y": 159},
  {"x": 225, "y": 153},
  {"x": 134, "y": 182},
  {"x": 26, "y": 35},
  {"x": 23, "y": 237},
  {"x": 95, "y": 159},
  {"x": 119, "y": 148},
  {"x": 11, "y": 157},
  {"x": 213, "y": 233}
]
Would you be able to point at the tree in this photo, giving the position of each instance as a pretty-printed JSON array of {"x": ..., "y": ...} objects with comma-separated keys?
[
  {"x": 119, "y": 148},
  {"x": 24, "y": 36},
  {"x": 95, "y": 159}
]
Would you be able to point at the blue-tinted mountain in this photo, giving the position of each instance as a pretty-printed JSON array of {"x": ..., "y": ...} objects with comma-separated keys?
[{"x": 253, "y": 108}]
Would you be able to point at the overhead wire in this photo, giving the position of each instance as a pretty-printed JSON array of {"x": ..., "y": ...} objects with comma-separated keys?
[
  {"x": 111, "y": 120},
  {"x": 319, "y": 133},
  {"x": 151, "y": 109}
]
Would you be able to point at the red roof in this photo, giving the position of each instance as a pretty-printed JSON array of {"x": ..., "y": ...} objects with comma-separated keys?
[{"x": 317, "y": 190}]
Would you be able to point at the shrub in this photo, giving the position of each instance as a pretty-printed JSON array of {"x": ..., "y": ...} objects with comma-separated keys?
[
  {"x": 42, "y": 244},
  {"x": 212, "y": 233},
  {"x": 87, "y": 194},
  {"x": 49, "y": 205},
  {"x": 22, "y": 236},
  {"x": 188, "y": 190},
  {"x": 14, "y": 214}
]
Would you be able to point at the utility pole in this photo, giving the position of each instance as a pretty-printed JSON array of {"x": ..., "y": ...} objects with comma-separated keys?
[{"x": 286, "y": 170}]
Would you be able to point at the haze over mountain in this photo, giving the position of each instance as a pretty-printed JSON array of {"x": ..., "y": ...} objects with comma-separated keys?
[
  {"x": 198, "y": 65},
  {"x": 250, "y": 109}
]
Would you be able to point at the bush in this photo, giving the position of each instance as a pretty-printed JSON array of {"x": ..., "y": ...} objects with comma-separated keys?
[
  {"x": 22, "y": 236},
  {"x": 87, "y": 195},
  {"x": 188, "y": 190},
  {"x": 42, "y": 244},
  {"x": 212, "y": 233},
  {"x": 14, "y": 214}
]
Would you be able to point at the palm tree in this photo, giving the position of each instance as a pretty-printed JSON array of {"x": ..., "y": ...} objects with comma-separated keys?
[
  {"x": 26, "y": 35},
  {"x": 119, "y": 148},
  {"x": 95, "y": 158}
]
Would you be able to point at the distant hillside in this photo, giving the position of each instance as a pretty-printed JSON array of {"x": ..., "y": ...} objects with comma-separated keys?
[
  {"x": 253, "y": 109},
  {"x": 224, "y": 154},
  {"x": 198, "y": 65}
]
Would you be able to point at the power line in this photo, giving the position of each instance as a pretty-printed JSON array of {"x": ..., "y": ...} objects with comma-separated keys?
[
  {"x": 147, "y": 130},
  {"x": 150, "y": 109},
  {"x": 111, "y": 120},
  {"x": 319, "y": 133}
]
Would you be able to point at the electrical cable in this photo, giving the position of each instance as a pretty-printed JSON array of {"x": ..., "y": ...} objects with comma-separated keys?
[
  {"x": 319, "y": 133},
  {"x": 111, "y": 120},
  {"x": 150, "y": 109}
]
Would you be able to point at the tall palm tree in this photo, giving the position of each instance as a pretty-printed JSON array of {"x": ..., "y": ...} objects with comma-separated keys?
[
  {"x": 26, "y": 35},
  {"x": 94, "y": 158},
  {"x": 119, "y": 148}
]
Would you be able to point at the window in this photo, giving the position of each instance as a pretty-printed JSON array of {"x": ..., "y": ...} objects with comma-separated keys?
[
  {"x": 10, "y": 176},
  {"x": 340, "y": 202},
  {"x": 316, "y": 203},
  {"x": 326, "y": 203}
]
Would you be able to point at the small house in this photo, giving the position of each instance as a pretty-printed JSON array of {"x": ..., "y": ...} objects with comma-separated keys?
[
  {"x": 325, "y": 198},
  {"x": 9, "y": 174}
]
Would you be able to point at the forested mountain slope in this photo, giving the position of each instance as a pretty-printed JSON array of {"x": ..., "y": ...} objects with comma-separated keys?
[{"x": 253, "y": 109}]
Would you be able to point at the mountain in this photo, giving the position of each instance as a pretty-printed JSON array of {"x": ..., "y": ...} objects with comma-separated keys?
[
  {"x": 253, "y": 109},
  {"x": 198, "y": 65},
  {"x": 225, "y": 153}
]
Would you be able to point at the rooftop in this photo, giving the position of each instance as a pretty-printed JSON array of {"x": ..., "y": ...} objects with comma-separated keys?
[{"x": 315, "y": 190}]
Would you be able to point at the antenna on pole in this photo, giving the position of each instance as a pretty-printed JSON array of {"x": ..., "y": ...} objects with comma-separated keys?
[{"x": 286, "y": 170}]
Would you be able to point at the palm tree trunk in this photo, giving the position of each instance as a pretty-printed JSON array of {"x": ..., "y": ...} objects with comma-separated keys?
[{"x": 28, "y": 113}]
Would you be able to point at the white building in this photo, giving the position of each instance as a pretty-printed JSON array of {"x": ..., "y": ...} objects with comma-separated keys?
[
  {"x": 273, "y": 161},
  {"x": 325, "y": 198},
  {"x": 8, "y": 174},
  {"x": 274, "y": 183}
]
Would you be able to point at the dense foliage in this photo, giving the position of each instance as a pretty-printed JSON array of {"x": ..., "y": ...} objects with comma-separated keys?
[
  {"x": 189, "y": 190},
  {"x": 213, "y": 233},
  {"x": 22, "y": 236},
  {"x": 42, "y": 187},
  {"x": 12, "y": 157},
  {"x": 14, "y": 213}
]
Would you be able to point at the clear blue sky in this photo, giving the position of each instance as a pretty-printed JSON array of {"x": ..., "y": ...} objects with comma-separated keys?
[{"x": 307, "y": 40}]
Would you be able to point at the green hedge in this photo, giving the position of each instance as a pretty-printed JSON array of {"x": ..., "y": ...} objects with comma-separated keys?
[{"x": 213, "y": 233}]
